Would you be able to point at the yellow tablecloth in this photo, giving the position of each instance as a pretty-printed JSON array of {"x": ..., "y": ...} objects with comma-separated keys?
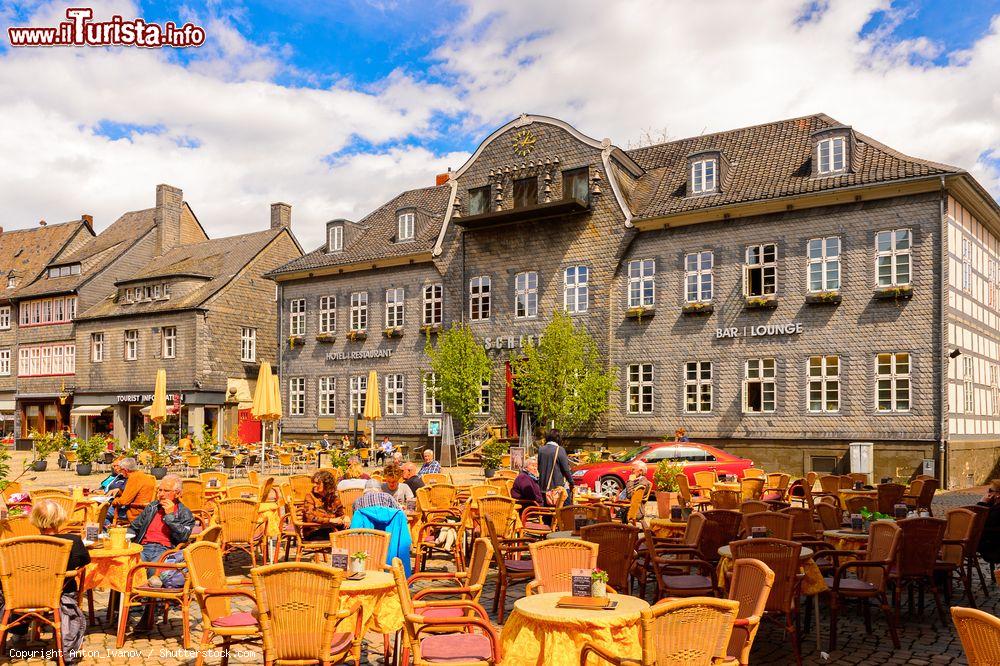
[
  {"x": 665, "y": 528},
  {"x": 538, "y": 633},
  {"x": 871, "y": 494},
  {"x": 812, "y": 584},
  {"x": 379, "y": 601},
  {"x": 845, "y": 540},
  {"x": 108, "y": 569},
  {"x": 722, "y": 485},
  {"x": 269, "y": 511}
]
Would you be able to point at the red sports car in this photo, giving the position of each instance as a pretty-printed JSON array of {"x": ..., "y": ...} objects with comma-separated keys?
[{"x": 693, "y": 456}]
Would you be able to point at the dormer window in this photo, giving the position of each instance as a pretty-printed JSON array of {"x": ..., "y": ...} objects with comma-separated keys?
[
  {"x": 405, "y": 226},
  {"x": 335, "y": 238},
  {"x": 831, "y": 155},
  {"x": 703, "y": 176},
  {"x": 63, "y": 271},
  {"x": 11, "y": 281}
]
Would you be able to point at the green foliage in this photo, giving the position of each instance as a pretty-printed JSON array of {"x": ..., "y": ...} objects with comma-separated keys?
[
  {"x": 206, "y": 447},
  {"x": 563, "y": 380},
  {"x": 461, "y": 366},
  {"x": 4, "y": 466},
  {"x": 592, "y": 457},
  {"x": 492, "y": 453},
  {"x": 47, "y": 444},
  {"x": 867, "y": 514},
  {"x": 337, "y": 459},
  {"x": 665, "y": 476},
  {"x": 144, "y": 441},
  {"x": 87, "y": 450}
]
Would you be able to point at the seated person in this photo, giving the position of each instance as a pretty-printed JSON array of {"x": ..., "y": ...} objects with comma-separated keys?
[
  {"x": 322, "y": 506},
  {"x": 354, "y": 475},
  {"x": 139, "y": 490},
  {"x": 392, "y": 476},
  {"x": 989, "y": 543},
  {"x": 165, "y": 523},
  {"x": 410, "y": 477},
  {"x": 526, "y": 490},
  {"x": 114, "y": 484},
  {"x": 637, "y": 482}
]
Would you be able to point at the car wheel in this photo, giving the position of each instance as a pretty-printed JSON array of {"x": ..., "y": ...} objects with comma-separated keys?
[{"x": 611, "y": 486}]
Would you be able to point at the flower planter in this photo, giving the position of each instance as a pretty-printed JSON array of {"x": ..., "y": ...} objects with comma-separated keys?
[
  {"x": 824, "y": 298},
  {"x": 84, "y": 469},
  {"x": 640, "y": 313},
  {"x": 357, "y": 336},
  {"x": 158, "y": 472},
  {"x": 39, "y": 465},
  {"x": 665, "y": 500},
  {"x": 599, "y": 589},
  {"x": 392, "y": 333},
  {"x": 357, "y": 565},
  {"x": 295, "y": 341},
  {"x": 761, "y": 302},
  {"x": 326, "y": 337},
  {"x": 904, "y": 293},
  {"x": 699, "y": 308},
  {"x": 488, "y": 473},
  {"x": 430, "y": 329}
]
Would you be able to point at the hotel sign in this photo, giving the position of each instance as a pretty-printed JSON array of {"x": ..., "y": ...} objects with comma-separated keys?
[
  {"x": 511, "y": 342},
  {"x": 766, "y": 330},
  {"x": 358, "y": 355}
]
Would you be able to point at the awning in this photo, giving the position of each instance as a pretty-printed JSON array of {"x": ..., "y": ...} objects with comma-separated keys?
[
  {"x": 88, "y": 410},
  {"x": 7, "y": 406},
  {"x": 170, "y": 410}
]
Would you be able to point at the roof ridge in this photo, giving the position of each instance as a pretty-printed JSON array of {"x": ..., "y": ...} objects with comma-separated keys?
[
  {"x": 220, "y": 239},
  {"x": 38, "y": 227}
]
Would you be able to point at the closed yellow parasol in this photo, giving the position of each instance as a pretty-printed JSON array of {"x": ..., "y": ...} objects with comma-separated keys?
[
  {"x": 275, "y": 398},
  {"x": 373, "y": 408},
  {"x": 263, "y": 394},
  {"x": 158, "y": 410}
]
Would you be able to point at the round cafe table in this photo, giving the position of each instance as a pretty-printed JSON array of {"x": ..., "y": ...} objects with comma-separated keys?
[
  {"x": 666, "y": 528},
  {"x": 562, "y": 534},
  {"x": 846, "y": 539},
  {"x": 108, "y": 570},
  {"x": 538, "y": 633},
  {"x": 381, "y": 611}
]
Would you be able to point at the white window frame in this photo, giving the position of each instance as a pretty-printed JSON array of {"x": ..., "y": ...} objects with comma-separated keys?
[
  {"x": 831, "y": 155},
  {"x": 480, "y": 288},
  {"x": 47, "y": 360},
  {"x": 763, "y": 371},
  {"x": 168, "y": 337},
  {"x": 395, "y": 307},
  {"x": 248, "y": 345},
  {"x": 896, "y": 383},
  {"x": 433, "y": 304},
  {"x": 969, "y": 384},
  {"x": 526, "y": 295},
  {"x": 639, "y": 379},
  {"x": 766, "y": 267},
  {"x": 359, "y": 311},
  {"x": 394, "y": 395},
  {"x": 406, "y": 226},
  {"x": 4, "y": 363},
  {"x": 359, "y": 393},
  {"x": 297, "y": 316},
  {"x": 576, "y": 289},
  {"x": 823, "y": 377},
  {"x": 893, "y": 258},
  {"x": 826, "y": 263},
  {"x": 5, "y": 317},
  {"x": 97, "y": 347},
  {"x": 44, "y": 311},
  {"x": 699, "y": 279},
  {"x": 327, "y": 314},
  {"x": 698, "y": 385},
  {"x": 704, "y": 176},
  {"x": 297, "y": 396},
  {"x": 642, "y": 283},
  {"x": 326, "y": 389},
  {"x": 130, "y": 338},
  {"x": 432, "y": 404},
  {"x": 335, "y": 238},
  {"x": 484, "y": 398}
]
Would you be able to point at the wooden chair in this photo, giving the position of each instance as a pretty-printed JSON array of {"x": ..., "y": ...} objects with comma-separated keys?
[
  {"x": 616, "y": 550},
  {"x": 434, "y": 478},
  {"x": 214, "y": 592},
  {"x": 782, "y": 557},
  {"x": 470, "y": 582},
  {"x": 918, "y": 552},
  {"x": 980, "y": 635},
  {"x": 436, "y": 640},
  {"x": 750, "y": 586},
  {"x": 753, "y": 506},
  {"x": 348, "y": 496},
  {"x": 754, "y": 473},
  {"x": 373, "y": 542},
  {"x": 751, "y": 488},
  {"x": 242, "y": 528},
  {"x": 32, "y": 573},
  {"x": 778, "y": 525},
  {"x": 554, "y": 560},
  {"x": 957, "y": 542},
  {"x": 299, "y": 609},
  {"x": 691, "y": 631},
  {"x": 152, "y": 597},
  {"x": 726, "y": 499},
  {"x": 921, "y": 496},
  {"x": 871, "y": 575},
  {"x": 510, "y": 568}
]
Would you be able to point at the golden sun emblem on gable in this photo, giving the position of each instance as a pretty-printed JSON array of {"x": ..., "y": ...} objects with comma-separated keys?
[{"x": 524, "y": 142}]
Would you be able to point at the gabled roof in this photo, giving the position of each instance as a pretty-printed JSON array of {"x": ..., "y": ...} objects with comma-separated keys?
[
  {"x": 766, "y": 161},
  {"x": 26, "y": 252},
  {"x": 373, "y": 236}
]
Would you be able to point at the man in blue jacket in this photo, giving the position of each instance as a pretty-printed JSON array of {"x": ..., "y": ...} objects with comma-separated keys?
[
  {"x": 378, "y": 510},
  {"x": 164, "y": 523}
]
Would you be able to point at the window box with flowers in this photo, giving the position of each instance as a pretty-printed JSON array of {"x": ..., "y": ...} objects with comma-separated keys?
[
  {"x": 831, "y": 297},
  {"x": 357, "y": 336},
  {"x": 325, "y": 337},
  {"x": 896, "y": 293},
  {"x": 698, "y": 308},
  {"x": 640, "y": 312},
  {"x": 430, "y": 329},
  {"x": 295, "y": 341},
  {"x": 393, "y": 332},
  {"x": 768, "y": 302}
]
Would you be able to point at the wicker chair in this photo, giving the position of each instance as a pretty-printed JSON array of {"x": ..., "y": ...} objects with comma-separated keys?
[
  {"x": 220, "y": 479},
  {"x": 502, "y": 511},
  {"x": 554, "y": 561},
  {"x": 435, "y": 639},
  {"x": 751, "y": 488},
  {"x": 889, "y": 495},
  {"x": 925, "y": 497},
  {"x": 508, "y": 474},
  {"x": 753, "y": 506},
  {"x": 681, "y": 632},
  {"x": 242, "y": 528},
  {"x": 510, "y": 568},
  {"x": 726, "y": 499},
  {"x": 32, "y": 573},
  {"x": 348, "y": 497},
  {"x": 777, "y": 481},
  {"x": 917, "y": 555},
  {"x": 616, "y": 552},
  {"x": 48, "y": 493},
  {"x": 754, "y": 473},
  {"x": 830, "y": 516},
  {"x": 778, "y": 525},
  {"x": 17, "y": 526},
  {"x": 872, "y": 573},
  {"x": 436, "y": 500},
  {"x": 300, "y": 607},
  {"x": 570, "y": 516},
  {"x": 855, "y": 504},
  {"x": 373, "y": 542},
  {"x": 681, "y": 570},
  {"x": 782, "y": 557},
  {"x": 803, "y": 524},
  {"x": 829, "y": 487},
  {"x": 470, "y": 582},
  {"x": 294, "y": 532},
  {"x": 214, "y": 590},
  {"x": 750, "y": 586},
  {"x": 434, "y": 478},
  {"x": 11, "y": 488},
  {"x": 972, "y": 554},
  {"x": 957, "y": 542},
  {"x": 722, "y": 528},
  {"x": 980, "y": 635},
  {"x": 152, "y": 597},
  {"x": 76, "y": 514},
  {"x": 652, "y": 544},
  {"x": 686, "y": 495},
  {"x": 301, "y": 485},
  {"x": 243, "y": 491},
  {"x": 705, "y": 481},
  {"x": 858, "y": 477},
  {"x": 193, "y": 494}
]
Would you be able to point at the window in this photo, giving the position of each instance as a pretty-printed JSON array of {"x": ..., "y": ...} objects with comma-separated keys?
[
  {"x": 484, "y": 397},
  {"x": 11, "y": 281},
  {"x": 169, "y": 335},
  {"x": 131, "y": 345},
  {"x": 640, "y": 388},
  {"x": 892, "y": 382},
  {"x": 63, "y": 271},
  {"x": 892, "y": 260},
  {"x": 703, "y": 176},
  {"x": 248, "y": 345},
  {"x": 394, "y": 395},
  {"x": 41, "y": 360},
  {"x": 327, "y": 314},
  {"x": 5, "y": 317},
  {"x": 48, "y": 310},
  {"x": 394, "y": 303},
  {"x": 432, "y": 405},
  {"x": 760, "y": 272},
  {"x": 968, "y": 380},
  {"x": 526, "y": 295},
  {"x": 479, "y": 200},
  {"x": 698, "y": 276},
  {"x": 576, "y": 296},
  {"x": 525, "y": 192},
  {"x": 432, "y": 304},
  {"x": 823, "y": 384},
  {"x": 576, "y": 184},
  {"x": 758, "y": 385},
  {"x": 5, "y": 362},
  {"x": 698, "y": 386},
  {"x": 297, "y": 396},
  {"x": 359, "y": 393},
  {"x": 297, "y": 316},
  {"x": 156, "y": 291},
  {"x": 404, "y": 226},
  {"x": 824, "y": 264},
  {"x": 966, "y": 264},
  {"x": 359, "y": 311},
  {"x": 831, "y": 155},
  {"x": 96, "y": 347},
  {"x": 147, "y": 293},
  {"x": 641, "y": 290},
  {"x": 479, "y": 298},
  {"x": 327, "y": 396},
  {"x": 335, "y": 238}
]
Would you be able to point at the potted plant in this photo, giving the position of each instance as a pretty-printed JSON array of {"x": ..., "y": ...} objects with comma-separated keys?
[
  {"x": 325, "y": 337},
  {"x": 665, "y": 485},
  {"x": 87, "y": 451},
  {"x": 697, "y": 308},
  {"x": 158, "y": 463},
  {"x": 393, "y": 332},
  {"x": 357, "y": 336},
  {"x": 898, "y": 293},
  {"x": 294, "y": 340},
  {"x": 358, "y": 561},
  {"x": 44, "y": 446},
  {"x": 829, "y": 297},
  {"x": 599, "y": 583},
  {"x": 768, "y": 302},
  {"x": 430, "y": 329},
  {"x": 205, "y": 447},
  {"x": 492, "y": 454}
]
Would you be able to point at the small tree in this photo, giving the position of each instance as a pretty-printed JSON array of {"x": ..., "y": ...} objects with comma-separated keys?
[
  {"x": 461, "y": 366},
  {"x": 206, "y": 447},
  {"x": 563, "y": 380}
]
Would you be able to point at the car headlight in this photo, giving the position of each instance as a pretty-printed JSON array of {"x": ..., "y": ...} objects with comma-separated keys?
[{"x": 578, "y": 473}]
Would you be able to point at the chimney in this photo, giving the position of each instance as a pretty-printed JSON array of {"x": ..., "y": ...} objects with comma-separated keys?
[
  {"x": 443, "y": 178},
  {"x": 169, "y": 200},
  {"x": 88, "y": 220},
  {"x": 281, "y": 215}
]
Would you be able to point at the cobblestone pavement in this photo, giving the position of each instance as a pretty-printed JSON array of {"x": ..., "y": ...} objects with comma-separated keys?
[{"x": 924, "y": 639}]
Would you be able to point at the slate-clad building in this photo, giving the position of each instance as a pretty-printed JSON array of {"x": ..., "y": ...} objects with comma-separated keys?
[{"x": 780, "y": 290}]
